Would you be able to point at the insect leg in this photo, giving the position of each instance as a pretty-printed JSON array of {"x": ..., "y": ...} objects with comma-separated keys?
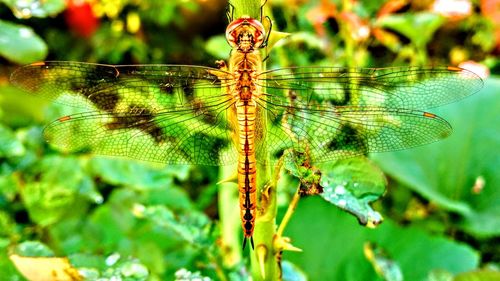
[
  {"x": 230, "y": 12},
  {"x": 262, "y": 10}
]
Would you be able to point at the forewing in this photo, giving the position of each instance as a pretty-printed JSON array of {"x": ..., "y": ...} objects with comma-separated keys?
[
  {"x": 163, "y": 113},
  {"x": 117, "y": 88},
  {"x": 398, "y": 87}
]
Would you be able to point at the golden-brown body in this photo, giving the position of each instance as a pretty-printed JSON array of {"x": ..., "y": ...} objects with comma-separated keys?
[{"x": 246, "y": 35}]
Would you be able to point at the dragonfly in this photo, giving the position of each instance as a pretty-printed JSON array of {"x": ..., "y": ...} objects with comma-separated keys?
[{"x": 238, "y": 113}]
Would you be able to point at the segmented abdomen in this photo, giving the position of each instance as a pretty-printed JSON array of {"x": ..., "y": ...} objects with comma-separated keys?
[{"x": 246, "y": 166}]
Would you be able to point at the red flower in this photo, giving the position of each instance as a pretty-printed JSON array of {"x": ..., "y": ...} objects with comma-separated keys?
[{"x": 80, "y": 18}]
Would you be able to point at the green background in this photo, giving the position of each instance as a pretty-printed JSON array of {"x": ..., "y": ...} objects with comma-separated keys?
[{"x": 141, "y": 221}]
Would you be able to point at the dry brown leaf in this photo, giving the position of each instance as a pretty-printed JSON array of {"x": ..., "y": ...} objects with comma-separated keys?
[{"x": 45, "y": 268}]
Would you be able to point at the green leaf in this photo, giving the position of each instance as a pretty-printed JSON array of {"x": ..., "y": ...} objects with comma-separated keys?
[
  {"x": 275, "y": 38},
  {"x": 18, "y": 109},
  {"x": 87, "y": 260},
  {"x": 171, "y": 196},
  {"x": 299, "y": 167},
  {"x": 9, "y": 186},
  {"x": 157, "y": 180},
  {"x": 382, "y": 263},
  {"x": 217, "y": 46},
  {"x": 188, "y": 228},
  {"x": 20, "y": 44},
  {"x": 104, "y": 225},
  {"x": 352, "y": 184},
  {"x": 7, "y": 268},
  {"x": 34, "y": 8},
  {"x": 333, "y": 243},
  {"x": 7, "y": 225},
  {"x": 461, "y": 172},
  {"x": 480, "y": 275},
  {"x": 439, "y": 275},
  {"x": 141, "y": 175},
  {"x": 53, "y": 195},
  {"x": 89, "y": 273},
  {"x": 33, "y": 249},
  {"x": 418, "y": 27},
  {"x": 291, "y": 272},
  {"x": 10, "y": 146},
  {"x": 307, "y": 38}
]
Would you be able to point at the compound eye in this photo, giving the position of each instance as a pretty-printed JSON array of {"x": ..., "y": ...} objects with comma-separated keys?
[
  {"x": 259, "y": 39},
  {"x": 232, "y": 34},
  {"x": 259, "y": 32},
  {"x": 235, "y": 28},
  {"x": 231, "y": 39}
]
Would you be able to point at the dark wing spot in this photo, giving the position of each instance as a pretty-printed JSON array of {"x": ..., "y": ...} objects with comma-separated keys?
[
  {"x": 167, "y": 85},
  {"x": 216, "y": 145},
  {"x": 188, "y": 89},
  {"x": 207, "y": 116},
  {"x": 346, "y": 98},
  {"x": 95, "y": 85},
  {"x": 140, "y": 119},
  {"x": 277, "y": 154},
  {"x": 105, "y": 101},
  {"x": 348, "y": 139},
  {"x": 276, "y": 118},
  {"x": 346, "y": 95}
]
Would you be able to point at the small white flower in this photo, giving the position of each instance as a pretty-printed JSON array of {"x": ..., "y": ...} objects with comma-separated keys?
[{"x": 452, "y": 8}]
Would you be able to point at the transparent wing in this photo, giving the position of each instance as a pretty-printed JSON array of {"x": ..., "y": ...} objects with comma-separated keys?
[
  {"x": 334, "y": 113},
  {"x": 179, "y": 114},
  {"x": 397, "y": 87},
  {"x": 163, "y": 113},
  {"x": 116, "y": 87},
  {"x": 347, "y": 131}
]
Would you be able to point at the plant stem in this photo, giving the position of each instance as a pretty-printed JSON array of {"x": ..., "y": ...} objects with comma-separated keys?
[
  {"x": 230, "y": 219},
  {"x": 246, "y": 8},
  {"x": 289, "y": 212},
  {"x": 268, "y": 268}
]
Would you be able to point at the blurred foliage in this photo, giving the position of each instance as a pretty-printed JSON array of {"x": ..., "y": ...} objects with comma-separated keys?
[
  {"x": 117, "y": 218},
  {"x": 464, "y": 190}
]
